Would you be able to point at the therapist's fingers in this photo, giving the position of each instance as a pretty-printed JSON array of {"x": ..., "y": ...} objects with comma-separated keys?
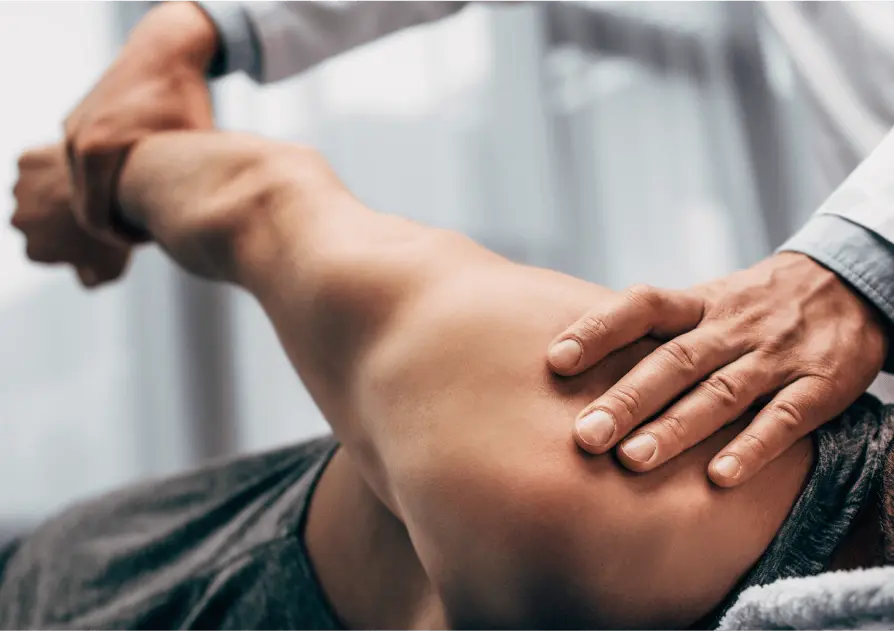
[
  {"x": 639, "y": 311},
  {"x": 715, "y": 402},
  {"x": 93, "y": 175},
  {"x": 652, "y": 384},
  {"x": 792, "y": 414}
]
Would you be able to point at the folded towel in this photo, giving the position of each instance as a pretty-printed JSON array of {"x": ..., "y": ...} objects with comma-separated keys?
[{"x": 856, "y": 599}]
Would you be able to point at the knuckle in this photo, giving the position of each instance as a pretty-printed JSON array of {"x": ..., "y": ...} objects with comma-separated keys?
[
  {"x": 623, "y": 401},
  {"x": 774, "y": 344},
  {"x": 722, "y": 388},
  {"x": 36, "y": 252},
  {"x": 786, "y": 416},
  {"x": 23, "y": 160},
  {"x": 81, "y": 147},
  {"x": 592, "y": 327},
  {"x": 89, "y": 143},
  {"x": 786, "y": 332},
  {"x": 825, "y": 377},
  {"x": 680, "y": 355},
  {"x": 675, "y": 427},
  {"x": 755, "y": 444},
  {"x": 643, "y": 294}
]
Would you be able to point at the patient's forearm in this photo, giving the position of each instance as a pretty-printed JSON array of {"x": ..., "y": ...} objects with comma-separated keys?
[{"x": 206, "y": 196}]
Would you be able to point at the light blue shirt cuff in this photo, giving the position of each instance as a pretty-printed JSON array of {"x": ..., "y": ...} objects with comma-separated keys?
[
  {"x": 856, "y": 254},
  {"x": 239, "y": 46}
]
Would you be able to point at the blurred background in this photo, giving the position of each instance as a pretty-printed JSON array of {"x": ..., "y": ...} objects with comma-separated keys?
[{"x": 622, "y": 143}]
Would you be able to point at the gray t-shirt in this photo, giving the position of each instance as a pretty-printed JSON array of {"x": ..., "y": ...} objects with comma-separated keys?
[{"x": 222, "y": 547}]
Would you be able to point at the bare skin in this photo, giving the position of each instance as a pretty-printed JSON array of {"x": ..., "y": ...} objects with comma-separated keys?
[{"x": 460, "y": 497}]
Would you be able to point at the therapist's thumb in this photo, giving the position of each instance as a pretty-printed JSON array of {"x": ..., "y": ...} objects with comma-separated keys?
[{"x": 639, "y": 311}]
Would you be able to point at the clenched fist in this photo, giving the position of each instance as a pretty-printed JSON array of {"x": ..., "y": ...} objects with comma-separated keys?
[{"x": 44, "y": 215}]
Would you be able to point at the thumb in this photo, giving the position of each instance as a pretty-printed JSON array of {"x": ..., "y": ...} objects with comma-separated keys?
[{"x": 627, "y": 317}]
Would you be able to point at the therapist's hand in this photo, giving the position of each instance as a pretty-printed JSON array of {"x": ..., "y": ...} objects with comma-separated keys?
[
  {"x": 157, "y": 83},
  {"x": 787, "y": 331},
  {"x": 44, "y": 215}
]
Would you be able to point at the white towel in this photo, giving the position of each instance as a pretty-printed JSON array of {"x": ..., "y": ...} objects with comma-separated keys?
[{"x": 856, "y": 599}]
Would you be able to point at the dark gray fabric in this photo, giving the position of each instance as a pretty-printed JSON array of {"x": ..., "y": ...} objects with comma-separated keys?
[
  {"x": 7, "y": 550},
  {"x": 850, "y": 460},
  {"x": 220, "y": 547}
]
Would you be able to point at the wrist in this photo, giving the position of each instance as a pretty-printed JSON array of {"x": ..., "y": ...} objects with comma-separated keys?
[{"x": 819, "y": 279}]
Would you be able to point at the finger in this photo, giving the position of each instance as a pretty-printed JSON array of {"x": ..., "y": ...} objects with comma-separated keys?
[
  {"x": 76, "y": 182},
  {"x": 713, "y": 403},
  {"x": 88, "y": 181},
  {"x": 635, "y": 313},
  {"x": 793, "y": 413},
  {"x": 111, "y": 265},
  {"x": 652, "y": 384},
  {"x": 17, "y": 220},
  {"x": 40, "y": 251},
  {"x": 98, "y": 174},
  {"x": 88, "y": 277}
]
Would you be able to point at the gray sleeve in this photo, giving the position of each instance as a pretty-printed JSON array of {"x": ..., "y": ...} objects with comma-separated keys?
[
  {"x": 855, "y": 253},
  {"x": 239, "y": 49},
  {"x": 271, "y": 41}
]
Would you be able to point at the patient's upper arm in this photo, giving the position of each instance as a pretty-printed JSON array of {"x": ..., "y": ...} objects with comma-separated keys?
[{"x": 514, "y": 525}]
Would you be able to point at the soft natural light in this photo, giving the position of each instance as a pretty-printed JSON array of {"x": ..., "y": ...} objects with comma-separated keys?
[
  {"x": 406, "y": 74},
  {"x": 409, "y": 73}
]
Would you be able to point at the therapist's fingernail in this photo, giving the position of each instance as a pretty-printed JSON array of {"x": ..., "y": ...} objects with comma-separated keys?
[
  {"x": 728, "y": 467},
  {"x": 596, "y": 428},
  {"x": 640, "y": 448},
  {"x": 565, "y": 354}
]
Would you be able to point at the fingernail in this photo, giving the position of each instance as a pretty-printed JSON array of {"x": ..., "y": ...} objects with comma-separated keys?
[
  {"x": 640, "y": 448},
  {"x": 728, "y": 467},
  {"x": 596, "y": 428},
  {"x": 565, "y": 354}
]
